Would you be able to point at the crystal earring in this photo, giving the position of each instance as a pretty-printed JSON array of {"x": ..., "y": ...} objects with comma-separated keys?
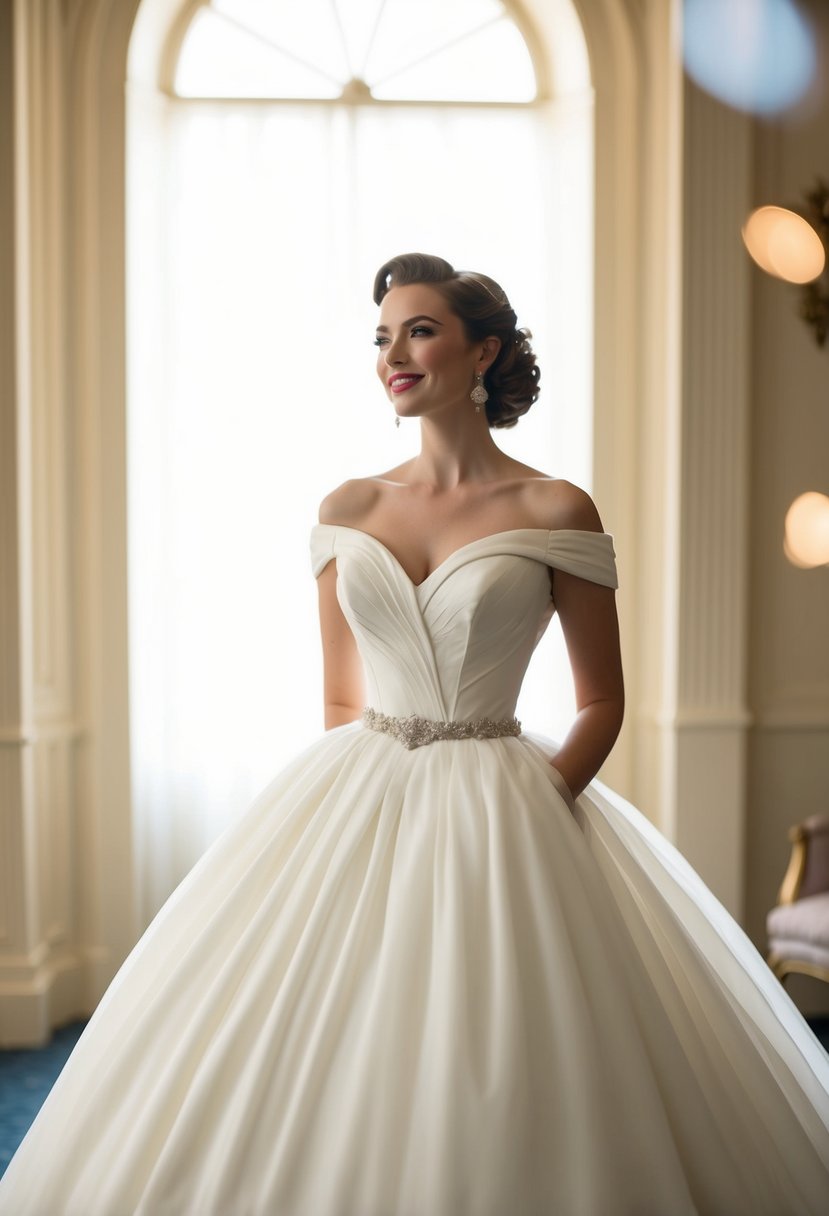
[
  {"x": 397, "y": 420},
  {"x": 479, "y": 394}
]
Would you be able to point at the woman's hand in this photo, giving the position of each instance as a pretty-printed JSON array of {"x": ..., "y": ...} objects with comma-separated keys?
[{"x": 562, "y": 787}]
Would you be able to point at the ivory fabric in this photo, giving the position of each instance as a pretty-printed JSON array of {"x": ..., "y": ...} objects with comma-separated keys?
[{"x": 428, "y": 982}]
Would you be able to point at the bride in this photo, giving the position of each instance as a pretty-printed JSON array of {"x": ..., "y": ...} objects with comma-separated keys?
[
  {"x": 435, "y": 340},
  {"x": 437, "y": 968}
]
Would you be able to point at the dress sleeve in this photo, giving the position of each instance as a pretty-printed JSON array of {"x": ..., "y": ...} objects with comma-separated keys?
[
  {"x": 590, "y": 555},
  {"x": 322, "y": 547}
]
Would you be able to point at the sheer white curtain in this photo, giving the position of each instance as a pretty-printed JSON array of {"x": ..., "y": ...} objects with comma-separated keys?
[{"x": 255, "y": 231}]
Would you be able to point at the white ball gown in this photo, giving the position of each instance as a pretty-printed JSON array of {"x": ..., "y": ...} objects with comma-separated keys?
[{"x": 420, "y": 982}]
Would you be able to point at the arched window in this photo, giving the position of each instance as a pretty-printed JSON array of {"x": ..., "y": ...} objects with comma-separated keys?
[
  {"x": 290, "y": 149},
  {"x": 386, "y": 50}
]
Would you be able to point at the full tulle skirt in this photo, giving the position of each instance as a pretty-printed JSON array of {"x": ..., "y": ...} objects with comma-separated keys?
[{"x": 418, "y": 983}]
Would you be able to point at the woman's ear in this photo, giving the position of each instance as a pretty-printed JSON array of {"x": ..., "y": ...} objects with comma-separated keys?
[{"x": 489, "y": 353}]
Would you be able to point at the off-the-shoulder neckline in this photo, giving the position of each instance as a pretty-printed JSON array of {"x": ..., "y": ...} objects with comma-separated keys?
[{"x": 548, "y": 532}]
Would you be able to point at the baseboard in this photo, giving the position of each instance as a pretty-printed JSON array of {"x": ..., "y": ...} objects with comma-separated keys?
[{"x": 33, "y": 1005}]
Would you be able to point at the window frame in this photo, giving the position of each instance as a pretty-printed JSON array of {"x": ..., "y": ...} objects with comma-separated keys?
[{"x": 179, "y": 26}]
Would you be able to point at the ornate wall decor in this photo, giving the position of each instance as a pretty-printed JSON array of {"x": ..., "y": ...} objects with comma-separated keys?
[{"x": 814, "y": 299}]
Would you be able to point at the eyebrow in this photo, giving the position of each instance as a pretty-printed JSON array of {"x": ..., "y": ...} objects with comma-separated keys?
[{"x": 385, "y": 329}]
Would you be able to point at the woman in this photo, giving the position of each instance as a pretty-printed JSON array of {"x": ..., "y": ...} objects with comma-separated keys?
[{"x": 435, "y": 970}]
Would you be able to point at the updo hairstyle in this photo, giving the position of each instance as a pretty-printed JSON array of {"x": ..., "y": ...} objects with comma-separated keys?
[{"x": 512, "y": 379}]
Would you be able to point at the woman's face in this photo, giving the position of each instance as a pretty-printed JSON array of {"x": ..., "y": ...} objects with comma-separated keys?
[{"x": 424, "y": 359}]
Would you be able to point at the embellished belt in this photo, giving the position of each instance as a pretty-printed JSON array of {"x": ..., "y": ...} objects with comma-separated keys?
[{"x": 414, "y": 731}]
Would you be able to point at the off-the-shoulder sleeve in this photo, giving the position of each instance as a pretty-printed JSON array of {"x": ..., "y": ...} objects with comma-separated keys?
[
  {"x": 590, "y": 555},
  {"x": 322, "y": 547}
]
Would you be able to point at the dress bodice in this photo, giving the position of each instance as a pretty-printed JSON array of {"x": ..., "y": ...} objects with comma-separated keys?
[{"x": 457, "y": 645}]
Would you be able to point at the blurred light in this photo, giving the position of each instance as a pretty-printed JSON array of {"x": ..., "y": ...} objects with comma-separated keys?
[
  {"x": 756, "y": 55},
  {"x": 807, "y": 530},
  {"x": 784, "y": 244}
]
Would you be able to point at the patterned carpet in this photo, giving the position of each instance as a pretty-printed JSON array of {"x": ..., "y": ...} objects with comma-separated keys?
[
  {"x": 27, "y": 1076},
  {"x": 25, "y": 1079}
]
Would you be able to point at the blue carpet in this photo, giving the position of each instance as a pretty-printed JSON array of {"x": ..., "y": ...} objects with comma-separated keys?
[
  {"x": 27, "y": 1076},
  {"x": 25, "y": 1079}
]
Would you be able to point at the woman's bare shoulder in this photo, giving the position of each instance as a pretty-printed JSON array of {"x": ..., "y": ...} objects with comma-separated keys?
[
  {"x": 348, "y": 502},
  {"x": 558, "y": 503},
  {"x": 354, "y": 499}
]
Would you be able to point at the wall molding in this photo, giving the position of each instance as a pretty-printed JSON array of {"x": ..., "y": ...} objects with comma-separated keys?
[
  {"x": 793, "y": 719},
  {"x": 25, "y": 736},
  {"x": 709, "y": 699},
  {"x": 705, "y": 717},
  {"x": 66, "y": 919}
]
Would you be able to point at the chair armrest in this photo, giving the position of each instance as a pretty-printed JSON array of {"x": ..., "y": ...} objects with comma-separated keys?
[
  {"x": 808, "y": 869},
  {"x": 790, "y": 886}
]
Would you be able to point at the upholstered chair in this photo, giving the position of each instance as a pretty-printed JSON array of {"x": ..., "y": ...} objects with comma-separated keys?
[{"x": 798, "y": 927}]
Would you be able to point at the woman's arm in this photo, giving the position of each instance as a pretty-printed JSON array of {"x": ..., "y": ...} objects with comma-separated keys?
[
  {"x": 591, "y": 631},
  {"x": 343, "y": 688},
  {"x": 587, "y": 612},
  {"x": 343, "y": 691}
]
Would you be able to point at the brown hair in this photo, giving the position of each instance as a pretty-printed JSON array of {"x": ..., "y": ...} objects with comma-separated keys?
[{"x": 513, "y": 378}]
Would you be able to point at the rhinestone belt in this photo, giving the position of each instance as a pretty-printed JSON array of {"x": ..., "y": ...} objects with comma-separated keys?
[{"x": 413, "y": 731}]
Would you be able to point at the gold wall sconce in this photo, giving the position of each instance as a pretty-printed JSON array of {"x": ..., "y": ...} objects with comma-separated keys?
[
  {"x": 814, "y": 303},
  {"x": 792, "y": 243}
]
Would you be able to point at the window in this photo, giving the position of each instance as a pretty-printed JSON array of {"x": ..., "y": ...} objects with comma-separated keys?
[
  {"x": 297, "y": 148},
  {"x": 469, "y": 50}
]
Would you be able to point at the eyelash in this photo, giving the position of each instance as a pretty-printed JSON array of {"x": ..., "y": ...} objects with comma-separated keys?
[{"x": 423, "y": 329}]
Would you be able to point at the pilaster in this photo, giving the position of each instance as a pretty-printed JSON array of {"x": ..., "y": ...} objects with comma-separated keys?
[
  {"x": 709, "y": 717},
  {"x": 41, "y": 979}
]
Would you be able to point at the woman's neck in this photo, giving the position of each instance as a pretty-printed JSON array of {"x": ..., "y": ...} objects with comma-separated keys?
[{"x": 455, "y": 451}]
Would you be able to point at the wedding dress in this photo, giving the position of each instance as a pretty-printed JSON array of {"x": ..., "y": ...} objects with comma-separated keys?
[{"x": 421, "y": 981}]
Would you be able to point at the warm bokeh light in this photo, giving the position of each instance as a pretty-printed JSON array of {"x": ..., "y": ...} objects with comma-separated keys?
[
  {"x": 756, "y": 55},
  {"x": 784, "y": 244},
  {"x": 807, "y": 530}
]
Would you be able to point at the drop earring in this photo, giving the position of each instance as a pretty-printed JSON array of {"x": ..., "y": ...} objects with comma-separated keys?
[
  {"x": 479, "y": 394},
  {"x": 397, "y": 420}
]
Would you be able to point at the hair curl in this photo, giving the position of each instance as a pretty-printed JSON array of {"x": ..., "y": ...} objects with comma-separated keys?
[{"x": 512, "y": 380}]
